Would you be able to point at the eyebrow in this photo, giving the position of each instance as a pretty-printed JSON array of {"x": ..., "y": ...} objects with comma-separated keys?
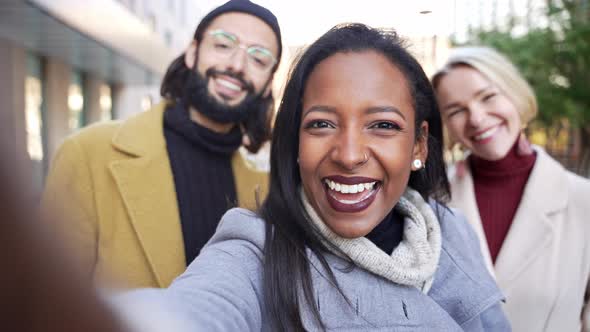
[
  {"x": 318, "y": 108},
  {"x": 371, "y": 110},
  {"x": 238, "y": 40},
  {"x": 477, "y": 93},
  {"x": 385, "y": 109},
  {"x": 223, "y": 32}
]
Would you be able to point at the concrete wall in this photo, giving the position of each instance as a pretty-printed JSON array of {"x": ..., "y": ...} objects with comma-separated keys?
[
  {"x": 57, "y": 80},
  {"x": 92, "y": 99},
  {"x": 13, "y": 139},
  {"x": 128, "y": 99},
  {"x": 12, "y": 101}
]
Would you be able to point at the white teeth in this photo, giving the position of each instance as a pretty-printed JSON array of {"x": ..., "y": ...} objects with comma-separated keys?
[
  {"x": 229, "y": 85},
  {"x": 331, "y": 184},
  {"x": 350, "y": 188},
  {"x": 486, "y": 134}
]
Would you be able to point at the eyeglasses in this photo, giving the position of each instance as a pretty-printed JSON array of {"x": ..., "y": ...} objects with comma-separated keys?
[{"x": 226, "y": 44}]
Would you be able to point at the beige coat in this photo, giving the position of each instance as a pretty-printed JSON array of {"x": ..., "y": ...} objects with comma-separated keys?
[
  {"x": 543, "y": 266},
  {"x": 112, "y": 186}
]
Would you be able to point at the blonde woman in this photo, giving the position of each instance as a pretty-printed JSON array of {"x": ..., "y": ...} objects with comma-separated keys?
[{"x": 531, "y": 215}]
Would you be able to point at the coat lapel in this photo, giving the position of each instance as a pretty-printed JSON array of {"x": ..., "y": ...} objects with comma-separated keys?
[
  {"x": 146, "y": 185},
  {"x": 251, "y": 183},
  {"x": 463, "y": 198},
  {"x": 533, "y": 227}
]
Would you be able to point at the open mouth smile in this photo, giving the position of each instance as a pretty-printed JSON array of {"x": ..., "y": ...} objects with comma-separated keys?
[
  {"x": 228, "y": 87},
  {"x": 484, "y": 136},
  {"x": 350, "y": 194},
  {"x": 228, "y": 84}
]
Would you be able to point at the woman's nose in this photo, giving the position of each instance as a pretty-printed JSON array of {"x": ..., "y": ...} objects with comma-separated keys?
[
  {"x": 476, "y": 115},
  {"x": 350, "y": 151}
]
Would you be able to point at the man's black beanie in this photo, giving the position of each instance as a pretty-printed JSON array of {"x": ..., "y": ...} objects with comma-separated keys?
[{"x": 243, "y": 6}]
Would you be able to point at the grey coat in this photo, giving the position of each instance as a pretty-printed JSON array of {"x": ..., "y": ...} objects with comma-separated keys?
[{"x": 222, "y": 289}]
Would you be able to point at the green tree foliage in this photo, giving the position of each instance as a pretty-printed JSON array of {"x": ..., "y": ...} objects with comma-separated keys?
[{"x": 555, "y": 60}]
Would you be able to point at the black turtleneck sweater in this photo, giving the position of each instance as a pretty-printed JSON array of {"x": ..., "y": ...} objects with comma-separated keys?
[
  {"x": 388, "y": 234},
  {"x": 201, "y": 166}
]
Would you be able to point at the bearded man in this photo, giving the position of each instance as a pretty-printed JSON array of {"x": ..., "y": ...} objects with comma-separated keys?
[{"x": 139, "y": 198}]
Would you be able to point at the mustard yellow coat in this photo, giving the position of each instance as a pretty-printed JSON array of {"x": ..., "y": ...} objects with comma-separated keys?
[{"x": 112, "y": 186}]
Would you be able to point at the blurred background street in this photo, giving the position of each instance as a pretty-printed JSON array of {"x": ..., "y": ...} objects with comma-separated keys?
[{"x": 66, "y": 64}]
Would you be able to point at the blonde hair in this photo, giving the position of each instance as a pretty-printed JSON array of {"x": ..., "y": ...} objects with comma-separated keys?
[{"x": 500, "y": 71}]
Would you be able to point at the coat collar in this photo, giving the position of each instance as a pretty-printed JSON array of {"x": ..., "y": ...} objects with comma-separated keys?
[
  {"x": 533, "y": 227},
  {"x": 146, "y": 184},
  {"x": 142, "y": 134},
  {"x": 463, "y": 198}
]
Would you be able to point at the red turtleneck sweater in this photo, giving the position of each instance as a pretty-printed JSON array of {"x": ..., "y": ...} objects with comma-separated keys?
[{"x": 499, "y": 186}]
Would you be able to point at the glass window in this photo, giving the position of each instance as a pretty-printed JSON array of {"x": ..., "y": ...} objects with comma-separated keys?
[
  {"x": 34, "y": 116},
  {"x": 146, "y": 102},
  {"x": 151, "y": 22},
  {"x": 33, "y": 108},
  {"x": 182, "y": 12},
  {"x": 168, "y": 38},
  {"x": 76, "y": 102},
  {"x": 106, "y": 103}
]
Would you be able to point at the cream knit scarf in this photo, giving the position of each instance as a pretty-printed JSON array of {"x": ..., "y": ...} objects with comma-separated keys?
[{"x": 413, "y": 262}]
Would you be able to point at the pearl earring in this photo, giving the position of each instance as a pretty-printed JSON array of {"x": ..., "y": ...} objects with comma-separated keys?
[{"x": 417, "y": 164}]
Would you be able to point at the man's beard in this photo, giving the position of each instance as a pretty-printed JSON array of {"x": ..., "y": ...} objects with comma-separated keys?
[{"x": 197, "y": 95}]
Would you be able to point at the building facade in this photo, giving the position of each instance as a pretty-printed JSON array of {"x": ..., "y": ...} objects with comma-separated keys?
[{"x": 66, "y": 64}]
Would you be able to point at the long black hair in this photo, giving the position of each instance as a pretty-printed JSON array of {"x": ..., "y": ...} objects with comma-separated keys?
[{"x": 290, "y": 231}]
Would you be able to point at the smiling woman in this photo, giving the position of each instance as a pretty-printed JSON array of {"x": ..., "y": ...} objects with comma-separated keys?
[
  {"x": 357, "y": 132},
  {"x": 353, "y": 234},
  {"x": 530, "y": 214}
]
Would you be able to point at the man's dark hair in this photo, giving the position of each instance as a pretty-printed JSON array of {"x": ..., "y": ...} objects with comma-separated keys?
[
  {"x": 290, "y": 231},
  {"x": 246, "y": 7}
]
